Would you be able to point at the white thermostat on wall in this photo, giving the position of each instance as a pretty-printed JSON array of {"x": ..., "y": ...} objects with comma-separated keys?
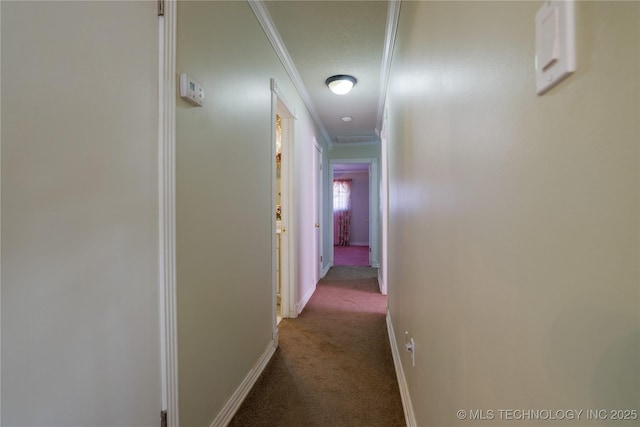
[
  {"x": 555, "y": 43},
  {"x": 190, "y": 90}
]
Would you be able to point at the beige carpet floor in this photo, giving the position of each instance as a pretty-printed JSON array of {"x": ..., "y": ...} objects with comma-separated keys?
[{"x": 333, "y": 366}]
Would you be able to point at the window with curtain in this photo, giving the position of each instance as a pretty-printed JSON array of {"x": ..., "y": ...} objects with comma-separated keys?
[{"x": 341, "y": 211}]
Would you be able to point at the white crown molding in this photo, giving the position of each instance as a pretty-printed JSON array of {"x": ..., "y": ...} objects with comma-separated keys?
[
  {"x": 393, "y": 14},
  {"x": 261, "y": 13}
]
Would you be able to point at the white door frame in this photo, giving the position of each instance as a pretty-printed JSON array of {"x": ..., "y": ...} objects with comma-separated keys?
[
  {"x": 383, "y": 273},
  {"x": 280, "y": 106},
  {"x": 167, "y": 211},
  {"x": 317, "y": 200},
  {"x": 0, "y": 236},
  {"x": 374, "y": 210}
]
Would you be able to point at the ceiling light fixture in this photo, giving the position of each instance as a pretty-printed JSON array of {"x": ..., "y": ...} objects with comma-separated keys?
[
  {"x": 347, "y": 118},
  {"x": 341, "y": 83}
]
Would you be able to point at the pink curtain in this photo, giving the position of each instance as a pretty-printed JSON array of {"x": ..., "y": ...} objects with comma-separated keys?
[{"x": 341, "y": 211}]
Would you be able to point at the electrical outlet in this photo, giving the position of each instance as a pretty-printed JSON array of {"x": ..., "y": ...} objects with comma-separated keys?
[{"x": 411, "y": 348}]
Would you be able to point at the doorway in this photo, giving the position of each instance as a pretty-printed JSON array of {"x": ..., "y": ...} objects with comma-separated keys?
[
  {"x": 317, "y": 211},
  {"x": 278, "y": 209},
  {"x": 282, "y": 212},
  {"x": 354, "y": 209}
]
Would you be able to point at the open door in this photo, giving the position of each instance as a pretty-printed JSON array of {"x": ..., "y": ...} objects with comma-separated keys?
[
  {"x": 80, "y": 222},
  {"x": 282, "y": 212},
  {"x": 317, "y": 161},
  {"x": 374, "y": 214}
]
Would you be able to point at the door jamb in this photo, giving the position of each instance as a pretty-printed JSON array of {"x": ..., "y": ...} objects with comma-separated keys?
[
  {"x": 166, "y": 211},
  {"x": 384, "y": 205},
  {"x": 318, "y": 211}
]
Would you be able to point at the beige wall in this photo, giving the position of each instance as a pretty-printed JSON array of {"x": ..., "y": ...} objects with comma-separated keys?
[
  {"x": 514, "y": 221},
  {"x": 80, "y": 321},
  {"x": 224, "y": 202}
]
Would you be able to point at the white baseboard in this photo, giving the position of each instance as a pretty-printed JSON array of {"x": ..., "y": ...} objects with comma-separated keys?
[
  {"x": 381, "y": 284},
  {"x": 359, "y": 244},
  {"x": 233, "y": 404},
  {"x": 326, "y": 269},
  {"x": 305, "y": 299},
  {"x": 407, "y": 406}
]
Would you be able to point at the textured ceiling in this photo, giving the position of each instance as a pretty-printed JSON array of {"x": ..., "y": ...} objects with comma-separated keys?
[{"x": 325, "y": 38}]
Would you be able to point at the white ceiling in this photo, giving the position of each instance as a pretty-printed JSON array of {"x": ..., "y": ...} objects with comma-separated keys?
[{"x": 324, "y": 38}]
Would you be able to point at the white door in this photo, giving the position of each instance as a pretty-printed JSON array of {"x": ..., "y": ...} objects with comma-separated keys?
[
  {"x": 371, "y": 215},
  {"x": 80, "y": 311},
  {"x": 374, "y": 213},
  {"x": 317, "y": 161},
  {"x": 287, "y": 202}
]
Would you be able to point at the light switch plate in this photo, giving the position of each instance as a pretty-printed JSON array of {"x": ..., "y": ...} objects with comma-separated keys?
[{"x": 555, "y": 43}]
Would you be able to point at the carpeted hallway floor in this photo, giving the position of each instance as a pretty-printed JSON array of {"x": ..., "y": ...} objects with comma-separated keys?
[
  {"x": 333, "y": 366},
  {"x": 351, "y": 255}
]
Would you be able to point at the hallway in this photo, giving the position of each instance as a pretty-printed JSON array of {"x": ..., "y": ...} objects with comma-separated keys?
[
  {"x": 139, "y": 272},
  {"x": 334, "y": 365}
]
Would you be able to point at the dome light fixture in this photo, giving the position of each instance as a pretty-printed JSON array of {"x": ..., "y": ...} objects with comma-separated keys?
[
  {"x": 347, "y": 119},
  {"x": 341, "y": 84}
]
